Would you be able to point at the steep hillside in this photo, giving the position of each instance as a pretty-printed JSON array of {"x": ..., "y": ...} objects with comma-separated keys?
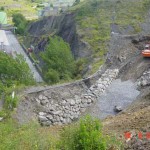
[
  {"x": 88, "y": 26},
  {"x": 110, "y": 34}
]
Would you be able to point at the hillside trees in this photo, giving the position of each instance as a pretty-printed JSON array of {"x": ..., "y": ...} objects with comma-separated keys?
[
  {"x": 20, "y": 22},
  {"x": 14, "y": 70},
  {"x": 13, "y": 73},
  {"x": 58, "y": 61}
]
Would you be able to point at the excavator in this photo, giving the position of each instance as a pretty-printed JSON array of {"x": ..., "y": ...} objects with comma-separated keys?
[{"x": 146, "y": 51}]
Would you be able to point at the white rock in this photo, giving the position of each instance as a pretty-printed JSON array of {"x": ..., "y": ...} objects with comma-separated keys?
[
  {"x": 83, "y": 110},
  {"x": 50, "y": 117},
  {"x": 46, "y": 123},
  {"x": 56, "y": 112},
  {"x": 63, "y": 103},
  {"x": 68, "y": 120},
  {"x": 45, "y": 98},
  {"x": 144, "y": 82},
  {"x": 101, "y": 86},
  {"x": 42, "y": 118},
  {"x": 44, "y": 102},
  {"x": 72, "y": 102},
  {"x": 84, "y": 101},
  {"x": 37, "y": 100},
  {"x": 40, "y": 97},
  {"x": 42, "y": 113},
  {"x": 1, "y": 118},
  {"x": 89, "y": 101}
]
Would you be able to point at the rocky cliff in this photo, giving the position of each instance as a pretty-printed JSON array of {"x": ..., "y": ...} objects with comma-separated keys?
[{"x": 64, "y": 26}]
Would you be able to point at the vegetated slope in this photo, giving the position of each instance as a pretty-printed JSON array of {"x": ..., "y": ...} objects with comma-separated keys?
[
  {"x": 24, "y": 7},
  {"x": 87, "y": 27}
]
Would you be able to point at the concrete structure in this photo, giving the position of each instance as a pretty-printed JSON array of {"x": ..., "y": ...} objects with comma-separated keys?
[
  {"x": 3, "y": 41},
  {"x": 3, "y": 18}
]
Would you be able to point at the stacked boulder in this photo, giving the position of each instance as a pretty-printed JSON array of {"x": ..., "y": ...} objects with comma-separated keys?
[
  {"x": 103, "y": 82},
  {"x": 64, "y": 111},
  {"x": 144, "y": 80}
]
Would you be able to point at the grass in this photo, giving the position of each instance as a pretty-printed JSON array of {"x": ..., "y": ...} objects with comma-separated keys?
[
  {"x": 32, "y": 136},
  {"x": 27, "y": 137}
]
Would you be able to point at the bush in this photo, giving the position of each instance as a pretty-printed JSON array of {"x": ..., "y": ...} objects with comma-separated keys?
[
  {"x": 13, "y": 72},
  {"x": 2, "y": 8},
  {"x": 85, "y": 136},
  {"x": 58, "y": 61},
  {"x": 52, "y": 76},
  {"x": 80, "y": 66},
  {"x": 20, "y": 22}
]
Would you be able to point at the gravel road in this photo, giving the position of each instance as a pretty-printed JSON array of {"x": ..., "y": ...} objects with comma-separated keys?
[
  {"x": 15, "y": 47},
  {"x": 118, "y": 93}
]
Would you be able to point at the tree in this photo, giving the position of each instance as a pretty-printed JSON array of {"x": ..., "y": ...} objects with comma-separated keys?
[
  {"x": 14, "y": 71},
  {"x": 2, "y": 8},
  {"x": 20, "y": 22},
  {"x": 58, "y": 58}
]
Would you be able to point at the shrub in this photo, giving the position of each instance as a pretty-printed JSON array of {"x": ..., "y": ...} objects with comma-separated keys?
[
  {"x": 52, "y": 76},
  {"x": 80, "y": 66},
  {"x": 58, "y": 61},
  {"x": 2, "y": 8},
  {"x": 20, "y": 22},
  {"x": 85, "y": 136},
  {"x": 13, "y": 71}
]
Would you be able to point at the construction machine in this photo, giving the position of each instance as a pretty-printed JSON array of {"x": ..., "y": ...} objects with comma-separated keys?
[{"x": 146, "y": 51}]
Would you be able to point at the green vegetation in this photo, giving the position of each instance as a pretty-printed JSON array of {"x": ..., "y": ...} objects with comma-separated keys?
[
  {"x": 20, "y": 22},
  {"x": 25, "y": 137},
  {"x": 25, "y": 7},
  {"x": 85, "y": 135},
  {"x": 13, "y": 74},
  {"x": 2, "y": 8},
  {"x": 95, "y": 17},
  {"x": 58, "y": 61}
]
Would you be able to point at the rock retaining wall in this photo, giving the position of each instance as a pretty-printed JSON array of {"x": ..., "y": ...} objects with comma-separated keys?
[
  {"x": 59, "y": 105},
  {"x": 69, "y": 109}
]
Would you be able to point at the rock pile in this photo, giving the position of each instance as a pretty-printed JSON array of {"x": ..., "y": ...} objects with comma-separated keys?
[
  {"x": 66, "y": 110},
  {"x": 144, "y": 80}
]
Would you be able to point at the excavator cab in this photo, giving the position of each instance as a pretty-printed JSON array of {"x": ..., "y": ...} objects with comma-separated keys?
[{"x": 146, "y": 51}]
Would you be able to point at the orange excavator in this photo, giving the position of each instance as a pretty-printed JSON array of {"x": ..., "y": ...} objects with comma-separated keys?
[{"x": 146, "y": 51}]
